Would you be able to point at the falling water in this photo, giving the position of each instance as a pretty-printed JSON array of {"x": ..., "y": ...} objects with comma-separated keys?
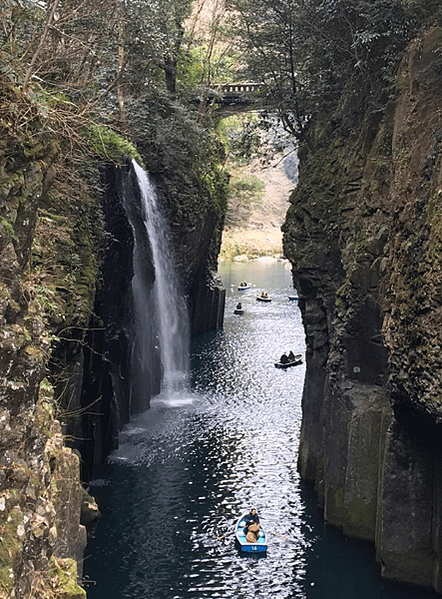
[{"x": 168, "y": 309}]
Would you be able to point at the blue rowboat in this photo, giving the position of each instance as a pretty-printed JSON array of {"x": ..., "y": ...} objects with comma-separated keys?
[
  {"x": 244, "y": 286},
  {"x": 263, "y": 298},
  {"x": 261, "y": 544}
]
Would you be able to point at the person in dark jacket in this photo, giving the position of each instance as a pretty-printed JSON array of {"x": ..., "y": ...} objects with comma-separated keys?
[{"x": 251, "y": 518}]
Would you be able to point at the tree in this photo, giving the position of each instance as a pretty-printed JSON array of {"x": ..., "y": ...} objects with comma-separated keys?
[
  {"x": 310, "y": 53},
  {"x": 154, "y": 35},
  {"x": 270, "y": 36},
  {"x": 210, "y": 52},
  {"x": 245, "y": 192}
]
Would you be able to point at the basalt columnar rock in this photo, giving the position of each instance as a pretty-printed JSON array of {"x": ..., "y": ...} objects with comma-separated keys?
[
  {"x": 196, "y": 214},
  {"x": 65, "y": 313},
  {"x": 364, "y": 236}
]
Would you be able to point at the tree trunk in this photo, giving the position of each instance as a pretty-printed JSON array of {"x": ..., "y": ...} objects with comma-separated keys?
[{"x": 30, "y": 70}]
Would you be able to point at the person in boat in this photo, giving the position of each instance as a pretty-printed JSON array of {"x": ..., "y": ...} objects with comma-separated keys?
[
  {"x": 264, "y": 294},
  {"x": 251, "y": 518},
  {"x": 239, "y": 306},
  {"x": 284, "y": 359},
  {"x": 291, "y": 356},
  {"x": 252, "y": 526}
]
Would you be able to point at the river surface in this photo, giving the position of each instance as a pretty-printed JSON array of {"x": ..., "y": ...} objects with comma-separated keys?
[{"x": 189, "y": 466}]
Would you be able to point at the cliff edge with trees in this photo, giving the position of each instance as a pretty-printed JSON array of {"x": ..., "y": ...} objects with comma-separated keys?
[
  {"x": 84, "y": 88},
  {"x": 358, "y": 85}
]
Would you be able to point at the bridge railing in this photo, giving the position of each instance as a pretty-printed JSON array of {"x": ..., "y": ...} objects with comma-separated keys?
[{"x": 237, "y": 88}]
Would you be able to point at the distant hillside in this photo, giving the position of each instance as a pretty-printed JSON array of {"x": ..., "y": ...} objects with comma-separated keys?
[{"x": 260, "y": 234}]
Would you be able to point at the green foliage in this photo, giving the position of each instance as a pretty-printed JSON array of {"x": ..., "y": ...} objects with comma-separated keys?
[
  {"x": 241, "y": 136},
  {"x": 98, "y": 67},
  {"x": 47, "y": 298},
  {"x": 170, "y": 139},
  {"x": 153, "y": 35},
  {"x": 310, "y": 54},
  {"x": 201, "y": 66},
  {"x": 64, "y": 579},
  {"x": 111, "y": 146},
  {"x": 245, "y": 191}
]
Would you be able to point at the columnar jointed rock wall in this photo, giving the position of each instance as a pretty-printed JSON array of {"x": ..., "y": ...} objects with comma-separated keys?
[
  {"x": 40, "y": 538},
  {"x": 196, "y": 212},
  {"x": 364, "y": 236},
  {"x": 65, "y": 321}
]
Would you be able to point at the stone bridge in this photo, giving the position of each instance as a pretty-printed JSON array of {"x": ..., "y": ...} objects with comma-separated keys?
[
  {"x": 237, "y": 93},
  {"x": 237, "y": 88}
]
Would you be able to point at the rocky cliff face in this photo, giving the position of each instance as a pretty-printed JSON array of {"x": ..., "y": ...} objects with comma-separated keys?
[
  {"x": 106, "y": 396},
  {"x": 363, "y": 234},
  {"x": 196, "y": 213},
  {"x": 65, "y": 320},
  {"x": 40, "y": 491}
]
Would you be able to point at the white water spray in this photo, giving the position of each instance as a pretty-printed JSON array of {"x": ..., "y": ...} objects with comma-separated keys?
[{"x": 168, "y": 305}]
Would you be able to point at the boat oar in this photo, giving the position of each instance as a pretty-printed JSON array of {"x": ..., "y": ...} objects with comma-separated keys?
[
  {"x": 277, "y": 535},
  {"x": 224, "y": 536}
]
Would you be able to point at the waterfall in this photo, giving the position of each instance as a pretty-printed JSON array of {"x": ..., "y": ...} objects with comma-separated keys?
[{"x": 160, "y": 310}]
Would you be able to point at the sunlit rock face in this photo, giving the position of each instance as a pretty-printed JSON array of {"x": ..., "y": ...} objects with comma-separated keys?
[{"x": 363, "y": 234}]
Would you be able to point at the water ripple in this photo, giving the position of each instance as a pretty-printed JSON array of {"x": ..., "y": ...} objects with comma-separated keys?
[{"x": 197, "y": 459}]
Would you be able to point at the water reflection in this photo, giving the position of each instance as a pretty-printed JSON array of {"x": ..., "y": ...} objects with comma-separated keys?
[{"x": 189, "y": 466}]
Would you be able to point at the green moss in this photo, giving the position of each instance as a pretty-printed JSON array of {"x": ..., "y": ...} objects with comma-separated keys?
[
  {"x": 30, "y": 151},
  {"x": 110, "y": 145},
  {"x": 56, "y": 219},
  {"x": 9, "y": 228},
  {"x": 45, "y": 409},
  {"x": 9, "y": 548},
  {"x": 64, "y": 574}
]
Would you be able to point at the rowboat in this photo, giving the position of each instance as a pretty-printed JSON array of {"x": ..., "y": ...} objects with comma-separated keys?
[
  {"x": 295, "y": 362},
  {"x": 263, "y": 298},
  {"x": 244, "y": 286},
  {"x": 238, "y": 311},
  {"x": 293, "y": 298},
  {"x": 261, "y": 544}
]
